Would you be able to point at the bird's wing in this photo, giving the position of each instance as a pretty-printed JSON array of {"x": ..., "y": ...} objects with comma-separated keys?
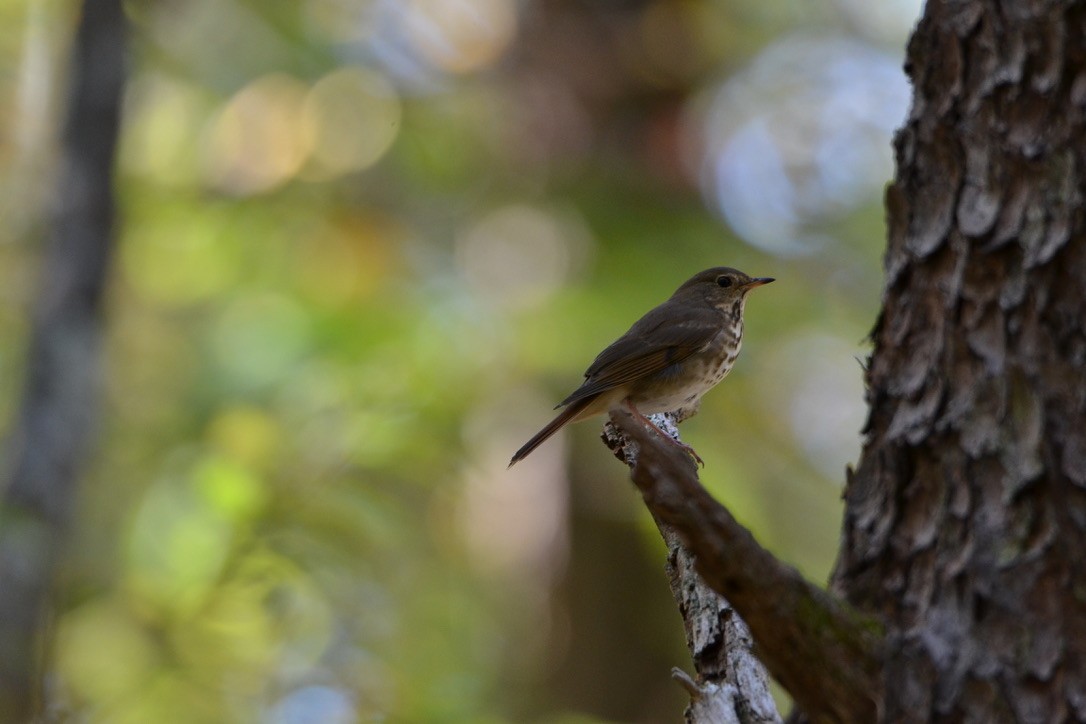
[{"x": 658, "y": 341}]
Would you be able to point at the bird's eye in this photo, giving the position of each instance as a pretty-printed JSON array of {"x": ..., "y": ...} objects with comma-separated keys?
[{"x": 724, "y": 281}]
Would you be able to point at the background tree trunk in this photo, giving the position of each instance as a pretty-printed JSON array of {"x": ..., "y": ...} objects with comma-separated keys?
[
  {"x": 59, "y": 408},
  {"x": 965, "y": 527}
]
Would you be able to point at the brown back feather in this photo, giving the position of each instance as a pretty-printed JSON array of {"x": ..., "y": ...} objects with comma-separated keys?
[{"x": 662, "y": 338}]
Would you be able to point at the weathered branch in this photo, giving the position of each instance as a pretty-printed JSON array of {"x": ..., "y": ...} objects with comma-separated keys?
[
  {"x": 732, "y": 684},
  {"x": 825, "y": 654},
  {"x": 56, "y": 420},
  {"x": 729, "y": 674}
]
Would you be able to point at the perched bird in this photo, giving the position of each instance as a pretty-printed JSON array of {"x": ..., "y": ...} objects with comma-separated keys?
[{"x": 668, "y": 359}]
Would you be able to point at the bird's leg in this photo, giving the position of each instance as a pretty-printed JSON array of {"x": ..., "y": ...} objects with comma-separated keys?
[{"x": 637, "y": 413}]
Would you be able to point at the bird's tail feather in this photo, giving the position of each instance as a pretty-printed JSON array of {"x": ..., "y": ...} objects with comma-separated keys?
[{"x": 566, "y": 415}]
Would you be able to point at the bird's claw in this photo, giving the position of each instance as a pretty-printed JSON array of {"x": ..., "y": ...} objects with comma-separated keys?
[
  {"x": 664, "y": 433},
  {"x": 686, "y": 448}
]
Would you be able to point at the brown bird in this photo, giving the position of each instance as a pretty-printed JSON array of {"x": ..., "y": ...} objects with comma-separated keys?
[{"x": 668, "y": 359}]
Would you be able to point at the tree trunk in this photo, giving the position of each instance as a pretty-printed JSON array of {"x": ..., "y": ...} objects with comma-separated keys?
[
  {"x": 56, "y": 420},
  {"x": 965, "y": 528}
]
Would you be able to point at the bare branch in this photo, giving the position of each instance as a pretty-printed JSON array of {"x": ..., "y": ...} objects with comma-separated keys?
[
  {"x": 825, "y": 654},
  {"x": 732, "y": 684}
]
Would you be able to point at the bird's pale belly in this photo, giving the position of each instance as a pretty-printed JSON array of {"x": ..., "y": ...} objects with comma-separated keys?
[{"x": 682, "y": 387}]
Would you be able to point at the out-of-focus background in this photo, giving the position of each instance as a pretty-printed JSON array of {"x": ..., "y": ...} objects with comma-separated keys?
[{"x": 365, "y": 246}]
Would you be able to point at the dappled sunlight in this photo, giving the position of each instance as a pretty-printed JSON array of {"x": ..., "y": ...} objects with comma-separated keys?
[
  {"x": 161, "y": 362},
  {"x": 346, "y": 261},
  {"x": 449, "y": 36},
  {"x": 165, "y": 123},
  {"x": 352, "y": 116},
  {"x": 325, "y": 704},
  {"x": 247, "y": 435},
  {"x": 177, "y": 545},
  {"x": 514, "y": 528},
  {"x": 258, "y": 140},
  {"x": 105, "y": 624},
  {"x": 259, "y": 339},
  {"x": 886, "y": 21},
  {"x": 823, "y": 398},
  {"x": 268, "y": 620},
  {"x": 789, "y": 143},
  {"x": 520, "y": 255},
  {"x": 272, "y": 131},
  {"x": 459, "y": 36},
  {"x": 181, "y": 262}
]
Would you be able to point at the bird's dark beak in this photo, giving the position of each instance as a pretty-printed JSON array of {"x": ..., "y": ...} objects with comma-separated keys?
[{"x": 760, "y": 281}]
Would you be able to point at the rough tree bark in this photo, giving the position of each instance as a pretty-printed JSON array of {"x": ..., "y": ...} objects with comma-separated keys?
[
  {"x": 55, "y": 425},
  {"x": 965, "y": 526},
  {"x": 966, "y": 516}
]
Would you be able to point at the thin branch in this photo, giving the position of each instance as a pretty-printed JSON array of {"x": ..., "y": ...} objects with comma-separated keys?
[{"x": 827, "y": 655}]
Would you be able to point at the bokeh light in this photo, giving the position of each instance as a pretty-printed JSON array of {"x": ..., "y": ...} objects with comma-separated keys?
[
  {"x": 422, "y": 42},
  {"x": 459, "y": 36},
  {"x": 799, "y": 137},
  {"x": 353, "y": 116},
  {"x": 258, "y": 139},
  {"x": 521, "y": 254},
  {"x": 823, "y": 398},
  {"x": 260, "y": 339},
  {"x": 312, "y": 704},
  {"x": 165, "y": 124}
]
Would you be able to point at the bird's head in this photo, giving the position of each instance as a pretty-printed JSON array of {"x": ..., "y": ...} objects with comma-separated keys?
[{"x": 721, "y": 286}]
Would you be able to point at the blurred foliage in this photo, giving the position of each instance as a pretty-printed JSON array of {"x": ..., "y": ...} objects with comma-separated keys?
[{"x": 366, "y": 245}]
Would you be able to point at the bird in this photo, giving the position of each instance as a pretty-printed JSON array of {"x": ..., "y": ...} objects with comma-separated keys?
[{"x": 668, "y": 359}]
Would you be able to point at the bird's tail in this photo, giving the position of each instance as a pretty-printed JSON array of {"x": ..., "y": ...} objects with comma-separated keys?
[{"x": 566, "y": 415}]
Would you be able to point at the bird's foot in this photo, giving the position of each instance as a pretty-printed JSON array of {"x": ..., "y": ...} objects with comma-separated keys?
[
  {"x": 664, "y": 434},
  {"x": 686, "y": 448}
]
